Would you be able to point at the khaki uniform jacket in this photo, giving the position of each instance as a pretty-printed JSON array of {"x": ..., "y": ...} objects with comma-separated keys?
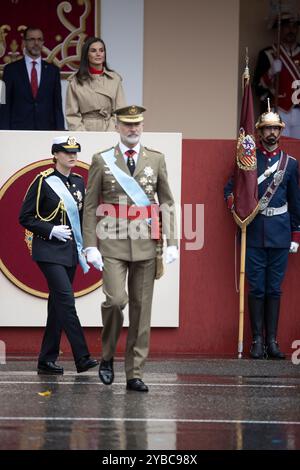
[
  {"x": 89, "y": 107},
  {"x": 110, "y": 235}
]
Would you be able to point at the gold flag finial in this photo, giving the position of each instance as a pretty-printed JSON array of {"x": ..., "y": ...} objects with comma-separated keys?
[{"x": 246, "y": 74}]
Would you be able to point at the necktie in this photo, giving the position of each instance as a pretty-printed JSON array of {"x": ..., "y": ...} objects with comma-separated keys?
[
  {"x": 130, "y": 160},
  {"x": 34, "y": 80}
]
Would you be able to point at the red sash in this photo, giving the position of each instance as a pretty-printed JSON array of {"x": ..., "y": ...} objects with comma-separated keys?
[{"x": 121, "y": 211}]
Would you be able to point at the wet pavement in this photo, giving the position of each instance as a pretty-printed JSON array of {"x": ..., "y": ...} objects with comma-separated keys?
[{"x": 192, "y": 404}]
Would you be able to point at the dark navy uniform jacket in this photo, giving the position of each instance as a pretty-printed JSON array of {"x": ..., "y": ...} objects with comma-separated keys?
[
  {"x": 276, "y": 231},
  {"x": 43, "y": 249}
]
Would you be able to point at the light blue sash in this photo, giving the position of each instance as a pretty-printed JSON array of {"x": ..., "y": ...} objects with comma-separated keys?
[
  {"x": 128, "y": 183},
  {"x": 72, "y": 210}
]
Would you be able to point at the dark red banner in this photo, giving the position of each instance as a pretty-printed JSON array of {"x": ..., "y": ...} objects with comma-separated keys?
[{"x": 65, "y": 26}]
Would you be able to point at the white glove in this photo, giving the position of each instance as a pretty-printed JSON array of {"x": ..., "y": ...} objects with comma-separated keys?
[
  {"x": 276, "y": 67},
  {"x": 61, "y": 232},
  {"x": 294, "y": 247},
  {"x": 94, "y": 257},
  {"x": 171, "y": 254}
]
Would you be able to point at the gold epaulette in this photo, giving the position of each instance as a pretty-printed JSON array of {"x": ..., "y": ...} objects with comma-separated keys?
[
  {"x": 77, "y": 174},
  {"x": 98, "y": 154},
  {"x": 46, "y": 173}
]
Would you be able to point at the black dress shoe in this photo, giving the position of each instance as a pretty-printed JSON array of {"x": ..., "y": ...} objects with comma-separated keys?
[
  {"x": 86, "y": 363},
  {"x": 106, "y": 371},
  {"x": 137, "y": 385},
  {"x": 49, "y": 368}
]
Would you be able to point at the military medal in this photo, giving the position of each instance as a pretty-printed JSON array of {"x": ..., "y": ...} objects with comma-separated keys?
[
  {"x": 78, "y": 195},
  {"x": 148, "y": 171}
]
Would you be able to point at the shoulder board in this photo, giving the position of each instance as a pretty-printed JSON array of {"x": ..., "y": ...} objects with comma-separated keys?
[
  {"x": 152, "y": 150},
  {"x": 293, "y": 158},
  {"x": 105, "y": 150},
  {"x": 76, "y": 174},
  {"x": 46, "y": 173}
]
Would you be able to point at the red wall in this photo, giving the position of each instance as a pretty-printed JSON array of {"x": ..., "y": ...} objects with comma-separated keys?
[{"x": 208, "y": 301}]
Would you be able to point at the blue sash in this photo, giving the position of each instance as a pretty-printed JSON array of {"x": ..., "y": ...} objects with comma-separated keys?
[
  {"x": 72, "y": 210},
  {"x": 128, "y": 183}
]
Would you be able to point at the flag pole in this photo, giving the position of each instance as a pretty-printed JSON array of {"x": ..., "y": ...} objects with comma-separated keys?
[
  {"x": 277, "y": 78},
  {"x": 242, "y": 292},
  {"x": 246, "y": 131},
  {"x": 243, "y": 226},
  {"x": 246, "y": 74}
]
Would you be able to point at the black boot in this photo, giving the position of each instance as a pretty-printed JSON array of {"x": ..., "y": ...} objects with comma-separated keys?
[
  {"x": 272, "y": 309},
  {"x": 256, "y": 312}
]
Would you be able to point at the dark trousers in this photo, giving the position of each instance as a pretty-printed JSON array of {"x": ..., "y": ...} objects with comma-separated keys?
[
  {"x": 62, "y": 314},
  {"x": 265, "y": 269}
]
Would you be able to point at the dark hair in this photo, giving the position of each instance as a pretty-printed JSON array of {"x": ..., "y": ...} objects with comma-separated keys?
[
  {"x": 83, "y": 71},
  {"x": 31, "y": 28}
]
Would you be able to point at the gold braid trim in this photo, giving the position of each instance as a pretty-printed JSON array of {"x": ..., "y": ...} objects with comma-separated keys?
[{"x": 243, "y": 223}]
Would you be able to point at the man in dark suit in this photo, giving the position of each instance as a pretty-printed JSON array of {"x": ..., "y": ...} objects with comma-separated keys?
[{"x": 33, "y": 90}]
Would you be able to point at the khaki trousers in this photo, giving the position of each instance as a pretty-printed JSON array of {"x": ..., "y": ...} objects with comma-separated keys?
[{"x": 140, "y": 276}]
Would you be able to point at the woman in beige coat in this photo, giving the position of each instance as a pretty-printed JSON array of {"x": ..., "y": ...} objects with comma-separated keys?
[{"x": 94, "y": 92}]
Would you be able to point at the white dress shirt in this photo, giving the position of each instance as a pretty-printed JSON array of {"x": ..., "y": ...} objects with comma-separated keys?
[{"x": 124, "y": 149}]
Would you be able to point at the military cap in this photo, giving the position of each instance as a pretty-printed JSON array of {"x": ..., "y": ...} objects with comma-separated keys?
[
  {"x": 66, "y": 144},
  {"x": 130, "y": 114}
]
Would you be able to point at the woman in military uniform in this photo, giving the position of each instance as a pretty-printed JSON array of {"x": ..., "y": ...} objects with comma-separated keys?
[
  {"x": 52, "y": 211},
  {"x": 94, "y": 92}
]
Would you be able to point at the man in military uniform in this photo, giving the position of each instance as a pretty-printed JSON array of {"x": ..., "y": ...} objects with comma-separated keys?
[
  {"x": 126, "y": 180},
  {"x": 52, "y": 212},
  {"x": 286, "y": 69},
  {"x": 273, "y": 233}
]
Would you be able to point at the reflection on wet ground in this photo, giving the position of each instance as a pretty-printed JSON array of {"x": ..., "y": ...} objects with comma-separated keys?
[{"x": 192, "y": 404}]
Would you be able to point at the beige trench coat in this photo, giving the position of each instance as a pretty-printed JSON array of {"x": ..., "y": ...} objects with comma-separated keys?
[{"x": 89, "y": 107}]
